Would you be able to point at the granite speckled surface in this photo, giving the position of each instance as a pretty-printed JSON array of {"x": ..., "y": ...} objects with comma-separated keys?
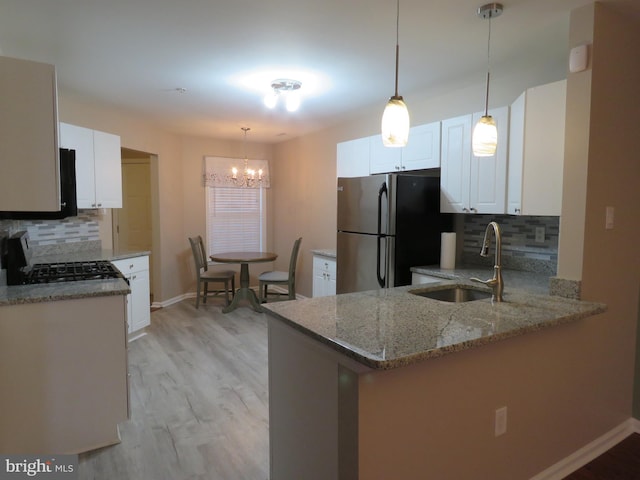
[
  {"x": 18, "y": 294},
  {"x": 391, "y": 328},
  {"x": 531, "y": 282},
  {"x": 324, "y": 252}
]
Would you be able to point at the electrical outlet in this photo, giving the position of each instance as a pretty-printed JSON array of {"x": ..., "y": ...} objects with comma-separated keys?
[
  {"x": 540, "y": 234},
  {"x": 501, "y": 421},
  {"x": 608, "y": 218}
]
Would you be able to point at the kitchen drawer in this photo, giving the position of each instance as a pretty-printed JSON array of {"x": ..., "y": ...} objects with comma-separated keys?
[{"x": 133, "y": 264}]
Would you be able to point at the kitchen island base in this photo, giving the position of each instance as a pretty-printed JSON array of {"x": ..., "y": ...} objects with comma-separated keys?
[{"x": 331, "y": 417}]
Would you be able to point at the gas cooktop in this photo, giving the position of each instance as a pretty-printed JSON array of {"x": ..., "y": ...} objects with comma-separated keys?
[{"x": 72, "y": 271}]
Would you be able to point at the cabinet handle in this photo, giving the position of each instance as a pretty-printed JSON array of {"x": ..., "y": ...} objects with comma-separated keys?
[
  {"x": 465, "y": 209},
  {"x": 93, "y": 204},
  {"x": 474, "y": 210},
  {"x": 517, "y": 210},
  {"x": 403, "y": 167},
  {"x": 99, "y": 204},
  {"x": 131, "y": 266}
]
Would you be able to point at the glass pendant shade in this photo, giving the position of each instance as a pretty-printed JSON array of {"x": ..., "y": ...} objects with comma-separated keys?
[
  {"x": 485, "y": 137},
  {"x": 395, "y": 123}
]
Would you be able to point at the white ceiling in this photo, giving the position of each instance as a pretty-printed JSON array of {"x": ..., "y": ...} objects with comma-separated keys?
[{"x": 135, "y": 54}]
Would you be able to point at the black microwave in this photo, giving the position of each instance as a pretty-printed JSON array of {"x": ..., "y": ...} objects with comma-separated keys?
[{"x": 68, "y": 199}]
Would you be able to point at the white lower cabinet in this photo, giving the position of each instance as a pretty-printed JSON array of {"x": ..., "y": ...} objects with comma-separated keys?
[
  {"x": 324, "y": 276},
  {"x": 136, "y": 271}
]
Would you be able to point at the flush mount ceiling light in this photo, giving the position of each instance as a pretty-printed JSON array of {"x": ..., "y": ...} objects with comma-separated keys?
[
  {"x": 485, "y": 133},
  {"x": 286, "y": 88},
  {"x": 395, "y": 118}
]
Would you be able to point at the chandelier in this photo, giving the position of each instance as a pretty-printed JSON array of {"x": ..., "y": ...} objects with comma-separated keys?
[{"x": 249, "y": 177}]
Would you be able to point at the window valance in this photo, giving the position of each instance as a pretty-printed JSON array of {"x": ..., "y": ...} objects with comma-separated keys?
[{"x": 219, "y": 172}]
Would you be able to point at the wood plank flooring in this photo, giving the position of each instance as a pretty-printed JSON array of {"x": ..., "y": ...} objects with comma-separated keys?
[
  {"x": 199, "y": 400},
  {"x": 621, "y": 462}
]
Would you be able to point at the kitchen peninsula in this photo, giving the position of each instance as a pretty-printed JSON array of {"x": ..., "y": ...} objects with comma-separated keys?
[{"x": 388, "y": 384}]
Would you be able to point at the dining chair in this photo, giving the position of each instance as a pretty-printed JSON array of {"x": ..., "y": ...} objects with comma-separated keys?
[
  {"x": 275, "y": 277},
  {"x": 205, "y": 276}
]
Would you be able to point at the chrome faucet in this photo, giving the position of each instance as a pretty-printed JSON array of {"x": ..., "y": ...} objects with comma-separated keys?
[{"x": 496, "y": 283}]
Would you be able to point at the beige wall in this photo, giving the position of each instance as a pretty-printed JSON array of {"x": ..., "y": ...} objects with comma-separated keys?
[{"x": 611, "y": 263}]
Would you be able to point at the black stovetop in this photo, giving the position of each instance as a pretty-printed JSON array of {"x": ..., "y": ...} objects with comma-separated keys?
[{"x": 72, "y": 271}]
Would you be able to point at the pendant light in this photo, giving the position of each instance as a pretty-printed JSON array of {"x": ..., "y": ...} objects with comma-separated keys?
[
  {"x": 485, "y": 133},
  {"x": 395, "y": 118}
]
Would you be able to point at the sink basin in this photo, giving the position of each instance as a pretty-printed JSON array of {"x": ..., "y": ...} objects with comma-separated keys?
[{"x": 454, "y": 294}]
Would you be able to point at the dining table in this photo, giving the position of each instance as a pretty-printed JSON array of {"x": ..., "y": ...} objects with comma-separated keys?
[{"x": 244, "y": 259}]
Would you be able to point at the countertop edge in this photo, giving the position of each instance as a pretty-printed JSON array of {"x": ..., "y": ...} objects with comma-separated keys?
[{"x": 591, "y": 309}]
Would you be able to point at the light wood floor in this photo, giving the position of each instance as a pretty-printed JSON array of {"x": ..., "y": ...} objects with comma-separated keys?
[{"x": 199, "y": 404}]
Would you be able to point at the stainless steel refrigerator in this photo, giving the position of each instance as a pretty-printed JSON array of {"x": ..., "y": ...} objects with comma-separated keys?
[{"x": 386, "y": 225}]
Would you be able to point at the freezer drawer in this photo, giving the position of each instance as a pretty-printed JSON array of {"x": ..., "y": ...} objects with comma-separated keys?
[{"x": 358, "y": 261}]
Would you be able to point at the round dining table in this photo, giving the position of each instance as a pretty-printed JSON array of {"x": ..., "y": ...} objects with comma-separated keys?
[{"x": 244, "y": 259}]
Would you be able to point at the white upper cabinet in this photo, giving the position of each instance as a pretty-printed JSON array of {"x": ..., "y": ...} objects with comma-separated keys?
[
  {"x": 353, "y": 158},
  {"x": 28, "y": 137},
  {"x": 470, "y": 184},
  {"x": 488, "y": 188},
  {"x": 422, "y": 151},
  {"x": 455, "y": 164},
  {"x": 536, "y": 151},
  {"x": 98, "y": 166},
  {"x": 423, "y": 148}
]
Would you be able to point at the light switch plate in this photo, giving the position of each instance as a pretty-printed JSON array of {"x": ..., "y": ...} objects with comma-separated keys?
[
  {"x": 540, "y": 234},
  {"x": 608, "y": 220}
]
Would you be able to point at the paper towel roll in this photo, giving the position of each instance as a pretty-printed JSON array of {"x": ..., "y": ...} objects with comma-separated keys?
[{"x": 448, "y": 251}]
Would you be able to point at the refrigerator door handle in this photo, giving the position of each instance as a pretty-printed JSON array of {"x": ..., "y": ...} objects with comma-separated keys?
[{"x": 382, "y": 191}]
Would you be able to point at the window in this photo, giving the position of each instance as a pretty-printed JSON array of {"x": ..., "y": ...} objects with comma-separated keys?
[{"x": 236, "y": 219}]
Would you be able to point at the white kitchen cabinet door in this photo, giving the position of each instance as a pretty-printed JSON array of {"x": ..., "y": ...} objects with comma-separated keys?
[
  {"x": 30, "y": 178},
  {"x": 423, "y": 148},
  {"x": 352, "y": 158},
  {"x": 536, "y": 151},
  {"x": 108, "y": 169},
  {"x": 488, "y": 178},
  {"x": 98, "y": 166},
  {"x": 455, "y": 164},
  {"x": 324, "y": 276},
  {"x": 383, "y": 159},
  {"x": 136, "y": 271},
  {"x": 80, "y": 139}
]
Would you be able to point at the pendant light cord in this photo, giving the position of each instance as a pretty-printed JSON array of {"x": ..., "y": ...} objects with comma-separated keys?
[
  {"x": 486, "y": 98},
  {"x": 397, "y": 42}
]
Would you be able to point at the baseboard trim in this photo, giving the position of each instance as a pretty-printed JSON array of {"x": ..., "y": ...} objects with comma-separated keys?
[
  {"x": 184, "y": 296},
  {"x": 590, "y": 451}
]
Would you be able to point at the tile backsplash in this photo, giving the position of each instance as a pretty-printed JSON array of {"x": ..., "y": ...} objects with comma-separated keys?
[
  {"x": 82, "y": 228},
  {"x": 520, "y": 250}
]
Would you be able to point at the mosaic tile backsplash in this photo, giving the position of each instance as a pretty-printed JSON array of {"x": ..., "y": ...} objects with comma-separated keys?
[
  {"x": 520, "y": 251},
  {"x": 83, "y": 228}
]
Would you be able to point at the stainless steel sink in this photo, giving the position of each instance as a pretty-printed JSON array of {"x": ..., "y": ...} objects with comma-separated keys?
[{"x": 453, "y": 294}]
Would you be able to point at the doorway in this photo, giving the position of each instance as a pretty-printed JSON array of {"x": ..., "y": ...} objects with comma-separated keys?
[{"x": 132, "y": 224}]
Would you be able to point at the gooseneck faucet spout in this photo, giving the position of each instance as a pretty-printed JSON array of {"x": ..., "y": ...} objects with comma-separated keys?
[{"x": 496, "y": 283}]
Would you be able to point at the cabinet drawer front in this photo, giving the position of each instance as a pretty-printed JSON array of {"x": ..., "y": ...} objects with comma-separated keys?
[
  {"x": 133, "y": 264},
  {"x": 324, "y": 264}
]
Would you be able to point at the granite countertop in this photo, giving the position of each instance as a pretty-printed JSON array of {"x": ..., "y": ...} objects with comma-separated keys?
[
  {"x": 81, "y": 256},
  {"x": 18, "y": 294},
  {"x": 513, "y": 279},
  {"x": 324, "y": 252},
  {"x": 391, "y": 328}
]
